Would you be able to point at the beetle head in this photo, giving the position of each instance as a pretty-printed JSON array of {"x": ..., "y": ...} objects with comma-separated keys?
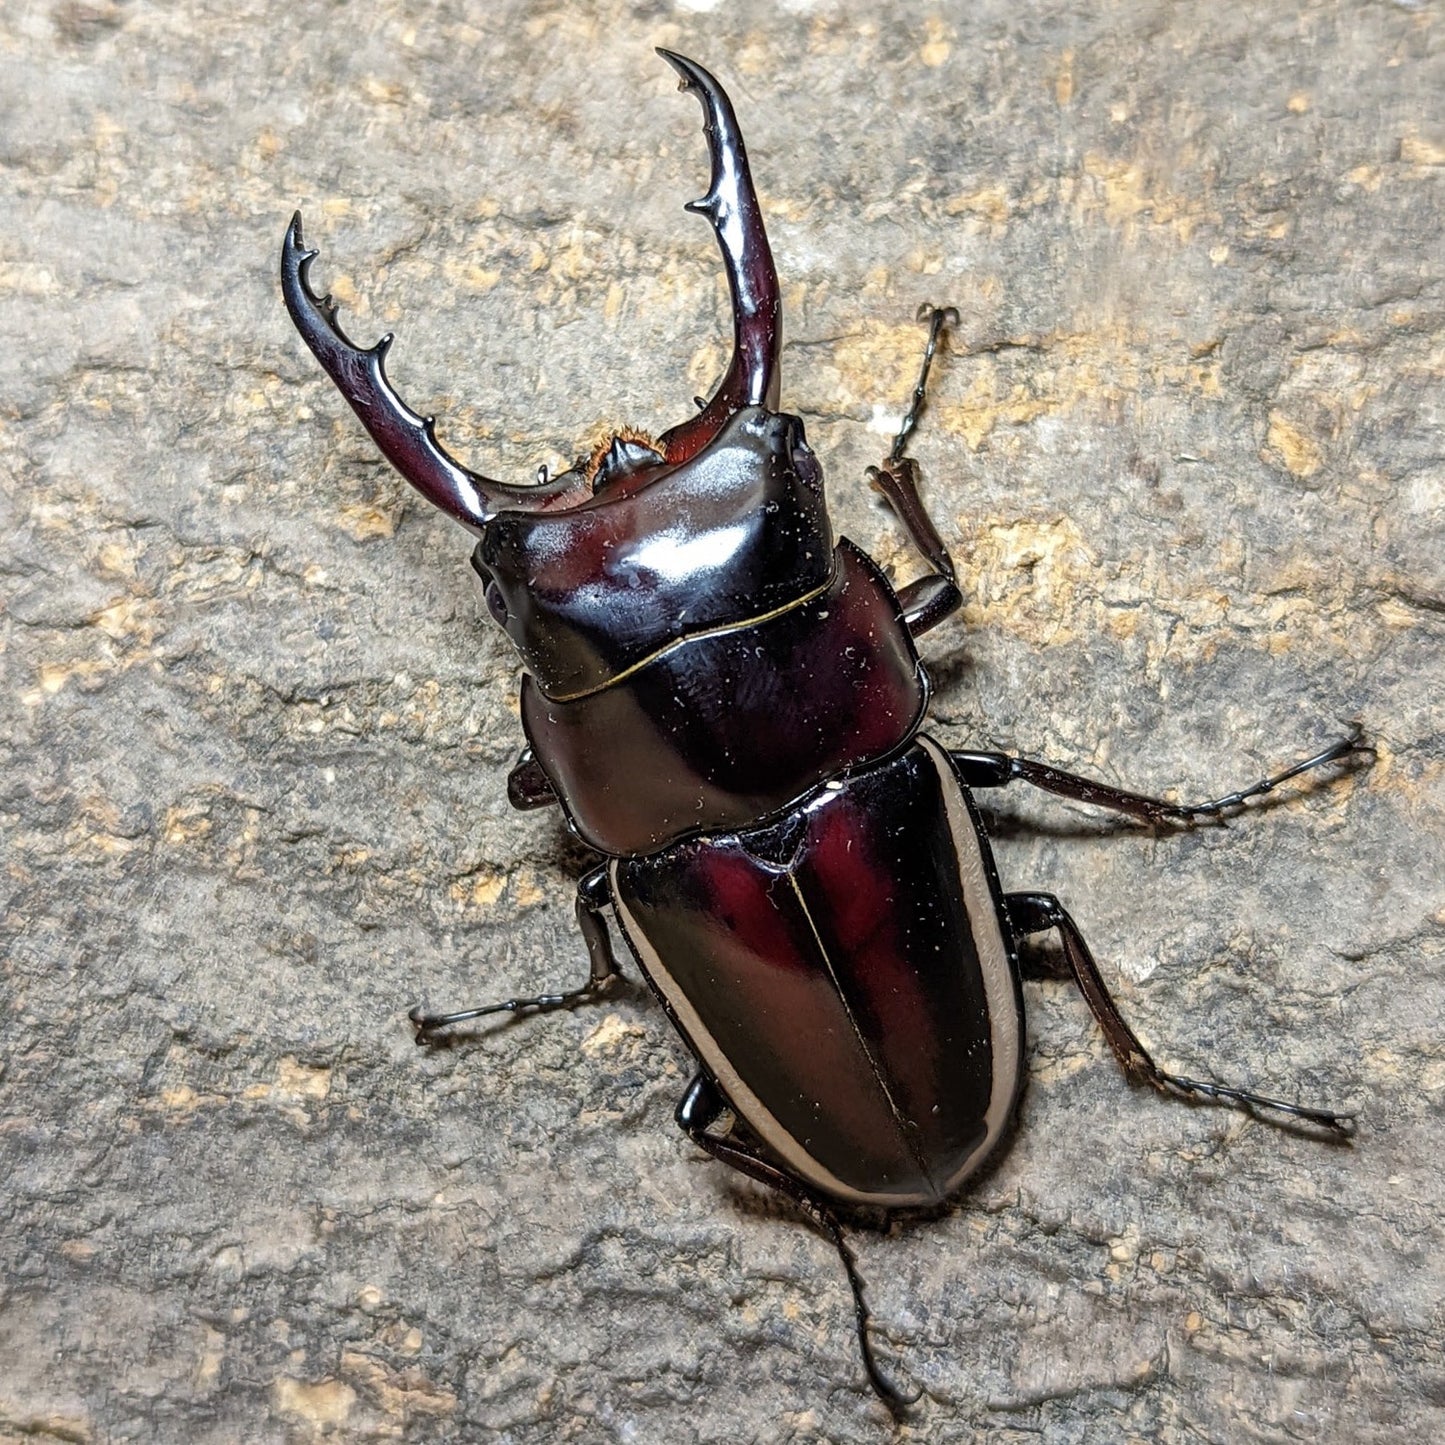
[
  {"x": 643, "y": 541},
  {"x": 660, "y": 552}
]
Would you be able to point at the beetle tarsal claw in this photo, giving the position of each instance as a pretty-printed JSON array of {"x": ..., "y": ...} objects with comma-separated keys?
[{"x": 927, "y": 311}]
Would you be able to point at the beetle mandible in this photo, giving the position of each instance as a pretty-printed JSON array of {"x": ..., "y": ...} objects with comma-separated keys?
[{"x": 726, "y": 702}]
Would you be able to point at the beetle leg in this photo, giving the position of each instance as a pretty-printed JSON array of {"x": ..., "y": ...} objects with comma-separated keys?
[
  {"x": 929, "y": 600},
  {"x": 593, "y": 896},
  {"x": 700, "y": 1108},
  {"x": 937, "y": 318},
  {"x": 1041, "y": 913},
  {"x": 528, "y": 786},
  {"x": 996, "y": 770}
]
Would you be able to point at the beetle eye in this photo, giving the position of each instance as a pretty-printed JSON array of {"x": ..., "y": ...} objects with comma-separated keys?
[
  {"x": 491, "y": 593},
  {"x": 496, "y": 603}
]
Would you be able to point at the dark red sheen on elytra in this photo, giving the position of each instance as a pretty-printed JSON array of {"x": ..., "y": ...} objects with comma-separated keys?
[{"x": 852, "y": 1007}]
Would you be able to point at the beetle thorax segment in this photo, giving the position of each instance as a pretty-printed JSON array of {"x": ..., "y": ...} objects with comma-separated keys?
[{"x": 728, "y": 727}]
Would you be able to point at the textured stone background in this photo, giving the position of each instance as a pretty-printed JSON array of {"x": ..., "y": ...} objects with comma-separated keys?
[{"x": 1189, "y": 450}]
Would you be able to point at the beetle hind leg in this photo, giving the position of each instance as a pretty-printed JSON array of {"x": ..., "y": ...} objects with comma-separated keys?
[
  {"x": 701, "y": 1107},
  {"x": 593, "y": 896},
  {"x": 1043, "y": 913}
]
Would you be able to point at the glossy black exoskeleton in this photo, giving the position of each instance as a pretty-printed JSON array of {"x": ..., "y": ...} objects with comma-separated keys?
[{"x": 726, "y": 700}]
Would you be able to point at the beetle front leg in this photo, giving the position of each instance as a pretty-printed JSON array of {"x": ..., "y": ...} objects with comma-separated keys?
[
  {"x": 996, "y": 770},
  {"x": 697, "y": 1111},
  {"x": 927, "y": 601},
  {"x": 1043, "y": 913},
  {"x": 593, "y": 896}
]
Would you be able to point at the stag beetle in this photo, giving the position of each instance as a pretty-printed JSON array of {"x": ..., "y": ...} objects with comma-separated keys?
[{"x": 726, "y": 702}]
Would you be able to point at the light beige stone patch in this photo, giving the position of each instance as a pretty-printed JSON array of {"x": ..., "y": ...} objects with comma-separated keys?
[
  {"x": 328, "y": 1402},
  {"x": 1288, "y": 446}
]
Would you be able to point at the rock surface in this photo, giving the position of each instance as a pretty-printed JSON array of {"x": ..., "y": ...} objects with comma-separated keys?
[{"x": 1187, "y": 447}]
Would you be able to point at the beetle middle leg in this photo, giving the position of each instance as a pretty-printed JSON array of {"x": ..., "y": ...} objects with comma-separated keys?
[
  {"x": 996, "y": 770},
  {"x": 593, "y": 896},
  {"x": 1043, "y": 913},
  {"x": 700, "y": 1107}
]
